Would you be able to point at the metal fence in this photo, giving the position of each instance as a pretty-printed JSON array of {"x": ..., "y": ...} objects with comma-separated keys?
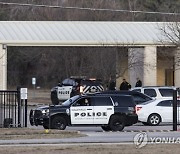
[
  {"x": 13, "y": 110},
  {"x": 176, "y": 111}
]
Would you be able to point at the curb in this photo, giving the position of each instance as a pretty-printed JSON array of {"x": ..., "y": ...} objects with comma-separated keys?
[
  {"x": 131, "y": 131},
  {"x": 147, "y": 131}
]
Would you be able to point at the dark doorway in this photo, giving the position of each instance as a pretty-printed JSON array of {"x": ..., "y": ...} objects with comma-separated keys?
[{"x": 169, "y": 77}]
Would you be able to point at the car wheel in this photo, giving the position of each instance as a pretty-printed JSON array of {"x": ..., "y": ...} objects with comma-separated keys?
[
  {"x": 145, "y": 123},
  {"x": 31, "y": 118},
  {"x": 154, "y": 119},
  {"x": 116, "y": 123},
  {"x": 54, "y": 98},
  {"x": 58, "y": 123},
  {"x": 106, "y": 128}
]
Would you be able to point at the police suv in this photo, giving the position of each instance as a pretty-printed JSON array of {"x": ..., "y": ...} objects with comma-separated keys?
[
  {"x": 111, "y": 112},
  {"x": 74, "y": 86}
]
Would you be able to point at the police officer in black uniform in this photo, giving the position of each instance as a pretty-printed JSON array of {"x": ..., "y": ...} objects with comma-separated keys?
[
  {"x": 125, "y": 85},
  {"x": 112, "y": 84},
  {"x": 138, "y": 83}
]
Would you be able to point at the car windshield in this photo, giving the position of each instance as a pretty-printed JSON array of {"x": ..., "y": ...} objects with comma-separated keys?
[
  {"x": 70, "y": 101},
  {"x": 69, "y": 82}
]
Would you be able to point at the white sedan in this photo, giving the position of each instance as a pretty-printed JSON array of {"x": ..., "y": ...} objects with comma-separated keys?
[{"x": 156, "y": 111}]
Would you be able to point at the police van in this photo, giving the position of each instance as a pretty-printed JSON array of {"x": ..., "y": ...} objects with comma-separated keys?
[
  {"x": 74, "y": 86},
  {"x": 111, "y": 112}
]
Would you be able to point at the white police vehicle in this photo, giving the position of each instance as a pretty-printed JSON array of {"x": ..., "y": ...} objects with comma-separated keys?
[
  {"x": 158, "y": 92},
  {"x": 111, "y": 112},
  {"x": 74, "y": 86}
]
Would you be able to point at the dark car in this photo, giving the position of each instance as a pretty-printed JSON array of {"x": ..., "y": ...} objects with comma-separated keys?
[
  {"x": 74, "y": 86},
  {"x": 138, "y": 97},
  {"x": 111, "y": 112}
]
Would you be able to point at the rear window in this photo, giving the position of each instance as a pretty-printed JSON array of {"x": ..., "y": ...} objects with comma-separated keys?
[
  {"x": 123, "y": 101},
  {"x": 150, "y": 92},
  {"x": 168, "y": 103},
  {"x": 166, "y": 92},
  {"x": 165, "y": 103}
]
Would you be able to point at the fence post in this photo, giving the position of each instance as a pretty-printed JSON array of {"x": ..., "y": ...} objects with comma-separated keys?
[
  {"x": 19, "y": 105},
  {"x": 23, "y": 94},
  {"x": 175, "y": 110},
  {"x": 25, "y": 113}
]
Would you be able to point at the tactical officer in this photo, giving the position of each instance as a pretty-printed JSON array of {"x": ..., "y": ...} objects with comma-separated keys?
[
  {"x": 138, "y": 83},
  {"x": 125, "y": 85}
]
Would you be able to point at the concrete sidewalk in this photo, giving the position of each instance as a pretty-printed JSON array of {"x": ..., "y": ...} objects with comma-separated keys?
[{"x": 92, "y": 137}]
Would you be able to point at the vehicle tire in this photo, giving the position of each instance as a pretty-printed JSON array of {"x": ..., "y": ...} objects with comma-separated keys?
[
  {"x": 117, "y": 123},
  {"x": 154, "y": 119},
  {"x": 145, "y": 123},
  {"x": 45, "y": 126},
  {"x": 54, "y": 98},
  {"x": 106, "y": 128},
  {"x": 58, "y": 123}
]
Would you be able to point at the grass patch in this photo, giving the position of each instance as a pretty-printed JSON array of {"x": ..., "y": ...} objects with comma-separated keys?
[
  {"x": 27, "y": 133},
  {"x": 92, "y": 149}
]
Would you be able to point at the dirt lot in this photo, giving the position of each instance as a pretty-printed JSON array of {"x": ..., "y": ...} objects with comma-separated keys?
[{"x": 92, "y": 149}]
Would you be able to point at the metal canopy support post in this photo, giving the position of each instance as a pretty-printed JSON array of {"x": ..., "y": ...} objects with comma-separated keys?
[{"x": 174, "y": 110}]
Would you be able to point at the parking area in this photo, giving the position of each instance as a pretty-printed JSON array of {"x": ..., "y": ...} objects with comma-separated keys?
[{"x": 135, "y": 128}]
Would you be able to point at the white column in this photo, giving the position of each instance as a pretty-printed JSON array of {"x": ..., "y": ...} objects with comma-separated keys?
[
  {"x": 177, "y": 67},
  {"x": 150, "y": 66},
  {"x": 3, "y": 67},
  {"x": 135, "y": 64}
]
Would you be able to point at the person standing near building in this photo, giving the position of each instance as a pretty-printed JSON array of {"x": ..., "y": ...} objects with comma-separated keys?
[
  {"x": 138, "y": 83},
  {"x": 125, "y": 85},
  {"x": 112, "y": 84}
]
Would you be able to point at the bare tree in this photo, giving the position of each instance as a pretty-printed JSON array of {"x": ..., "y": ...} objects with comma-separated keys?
[{"x": 171, "y": 32}]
